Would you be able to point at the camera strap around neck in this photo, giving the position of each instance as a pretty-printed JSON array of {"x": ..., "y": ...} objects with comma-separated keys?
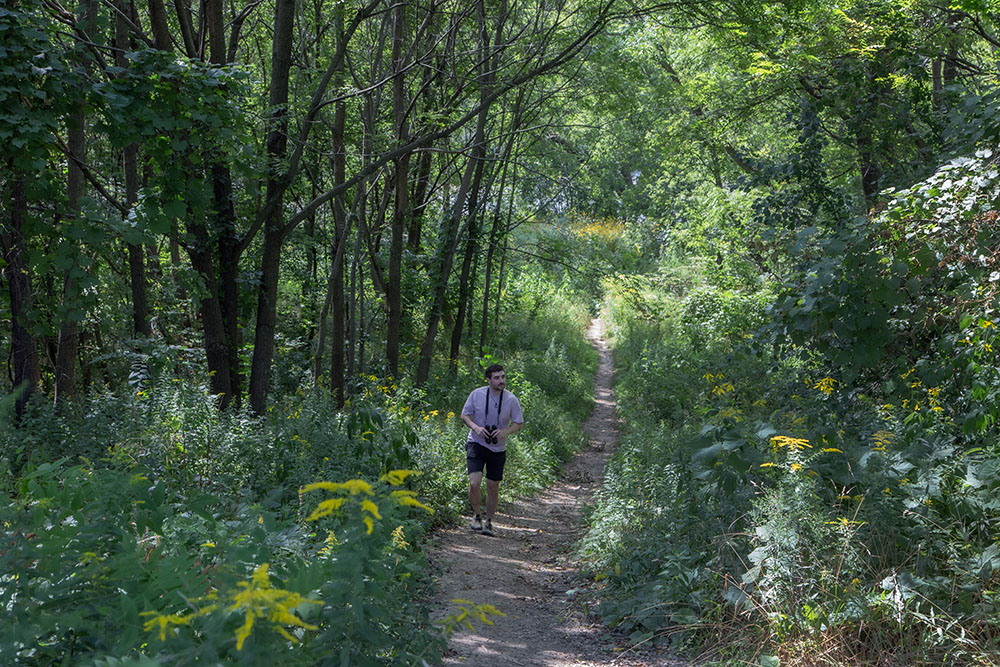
[{"x": 499, "y": 406}]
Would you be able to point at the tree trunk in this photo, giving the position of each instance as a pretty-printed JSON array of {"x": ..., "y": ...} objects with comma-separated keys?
[
  {"x": 441, "y": 269},
  {"x": 450, "y": 237},
  {"x": 210, "y": 313},
  {"x": 400, "y": 211},
  {"x": 130, "y": 165},
  {"x": 464, "y": 289},
  {"x": 225, "y": 221},
  {"x": 24, "y": 354},
  {"x": 494, "y": 237},
  {"x": 274, "y": 235},
  {"x": 69, "y": 332},
  {"x": 420, "y": 201},
  {"x": 340, "y": 224}
]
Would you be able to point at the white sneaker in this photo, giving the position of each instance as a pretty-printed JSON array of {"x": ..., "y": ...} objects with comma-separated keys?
[
  {"x": 488, "y": 528},
  {"x": 477, "y": 523}
]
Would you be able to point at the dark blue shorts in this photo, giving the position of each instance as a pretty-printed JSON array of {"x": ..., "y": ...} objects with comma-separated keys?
[{"x": 478, "y": 457}]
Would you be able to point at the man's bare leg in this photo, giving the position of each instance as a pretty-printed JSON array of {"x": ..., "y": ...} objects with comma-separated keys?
[
  {"x": 475, "y": 493},
  {"x": 492, "y": 498}
]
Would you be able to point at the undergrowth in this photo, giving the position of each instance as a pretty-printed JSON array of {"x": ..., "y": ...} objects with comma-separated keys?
[
  {"x": 148, "y": 527},
  {"x": 756, "y": 495}
]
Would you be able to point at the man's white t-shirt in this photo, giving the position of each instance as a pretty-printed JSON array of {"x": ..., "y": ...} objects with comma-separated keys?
[{"x": 487, "y": 408}]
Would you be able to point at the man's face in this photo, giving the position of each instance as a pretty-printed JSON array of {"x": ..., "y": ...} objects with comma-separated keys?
[{"x": 497, "y": 381}]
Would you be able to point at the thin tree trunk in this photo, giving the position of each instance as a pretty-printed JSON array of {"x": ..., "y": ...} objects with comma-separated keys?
[
  {"x": 340, "y": 224},
  {"x": 274, "y": 235},
  {"x": 394, "y": 291},
  {"x": 224, "y": 211},
  {"x": 491, "y": 248},
  {"x": 130, "y": 165},
  {"x": 450, "y": 238},
  {"x": 69, "y": 330},
  {"x": 210, "y": 313},
  {"x": 420, "y": 200},
  {"x": 24, "y": 354},
  {"x": 464, "y": 289}
]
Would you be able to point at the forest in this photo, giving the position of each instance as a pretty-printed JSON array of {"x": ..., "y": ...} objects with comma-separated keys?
[{"x": 256, "y": 253}]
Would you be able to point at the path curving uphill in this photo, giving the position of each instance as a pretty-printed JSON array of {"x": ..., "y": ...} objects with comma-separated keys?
[{"x": 528, "y": 570}]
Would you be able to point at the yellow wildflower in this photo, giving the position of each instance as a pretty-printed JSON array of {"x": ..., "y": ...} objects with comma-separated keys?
[
  {"x": 407, "y": 498},
  {"x": 162, "y": 622},
  {"x": 832, "y": 450},
  {"x": 398, "y": 540},
  {"x": 397, "y": 477},
  {"x": 826, "y": 385},
  {"x": 793, "y": 444},
  {"x": 328, "y": 544},
  {"x": 767, "y": 465},
  {"x": 371, "y": 508},
  {"x": 326, "y": 508},
  {"x": 354, "y": 486},
  {"x": 723, "y": 389},
  {"x": 796, "y": 467},
  {"x": 259, "y": 599},
  {"x": 369, "y": 523}
]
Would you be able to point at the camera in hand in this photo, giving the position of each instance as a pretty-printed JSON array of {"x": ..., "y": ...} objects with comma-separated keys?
[{"x": 491, "y": 434}]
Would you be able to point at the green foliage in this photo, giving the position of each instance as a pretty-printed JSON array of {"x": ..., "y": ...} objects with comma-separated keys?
[
  {"x": 34, "y": 91},
  {"x": 180, "y": 522},
  {"x": 776, "y": 491},
  {"x": 103, "y": 563}
]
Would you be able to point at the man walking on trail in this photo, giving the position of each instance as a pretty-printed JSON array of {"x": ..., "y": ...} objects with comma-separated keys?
[{"x": 492, "y": 413}]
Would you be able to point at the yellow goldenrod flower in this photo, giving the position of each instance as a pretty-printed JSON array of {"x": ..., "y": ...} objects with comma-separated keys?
[
  {"x": 328, "y": 544},
  {"x": 796, "y": 467},
  {"x": 326, "y": 508},
  {"x": 259, "y": 599},
  {"x": 162, "y": 622},
  {"x": 407, "y": 499},
  {"x": 354, "y": 486},
  {"x": 723, "y": 389},
  {"x": 397, "y": 477},
  {"x": 793, "y": 444},
  {"x": 398, "y": 540},
  {"x": 767, "y": 465},
  {"x": 826, "y": 385},
  {"x": 371, "y": 508},
  {"x": 369, "y": 523},
  {"x": 832, "y": 450}
]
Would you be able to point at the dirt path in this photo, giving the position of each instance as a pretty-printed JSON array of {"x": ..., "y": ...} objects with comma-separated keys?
[{"x": 527, "y": 570}]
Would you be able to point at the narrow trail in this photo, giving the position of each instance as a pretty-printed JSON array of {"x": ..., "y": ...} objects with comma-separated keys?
[{"x": 528, "y": 570}]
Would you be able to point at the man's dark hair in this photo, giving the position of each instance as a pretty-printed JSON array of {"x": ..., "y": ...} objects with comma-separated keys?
[{"x": 490, "y": 370}]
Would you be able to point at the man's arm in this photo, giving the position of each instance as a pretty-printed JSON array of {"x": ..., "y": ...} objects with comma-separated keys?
[
  {"x": 512, "y": 429},
  {"x": 476, "y": 428}
]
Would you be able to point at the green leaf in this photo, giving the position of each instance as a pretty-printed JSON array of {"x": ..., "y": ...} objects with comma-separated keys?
[{"x": 174, "y": 209}]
